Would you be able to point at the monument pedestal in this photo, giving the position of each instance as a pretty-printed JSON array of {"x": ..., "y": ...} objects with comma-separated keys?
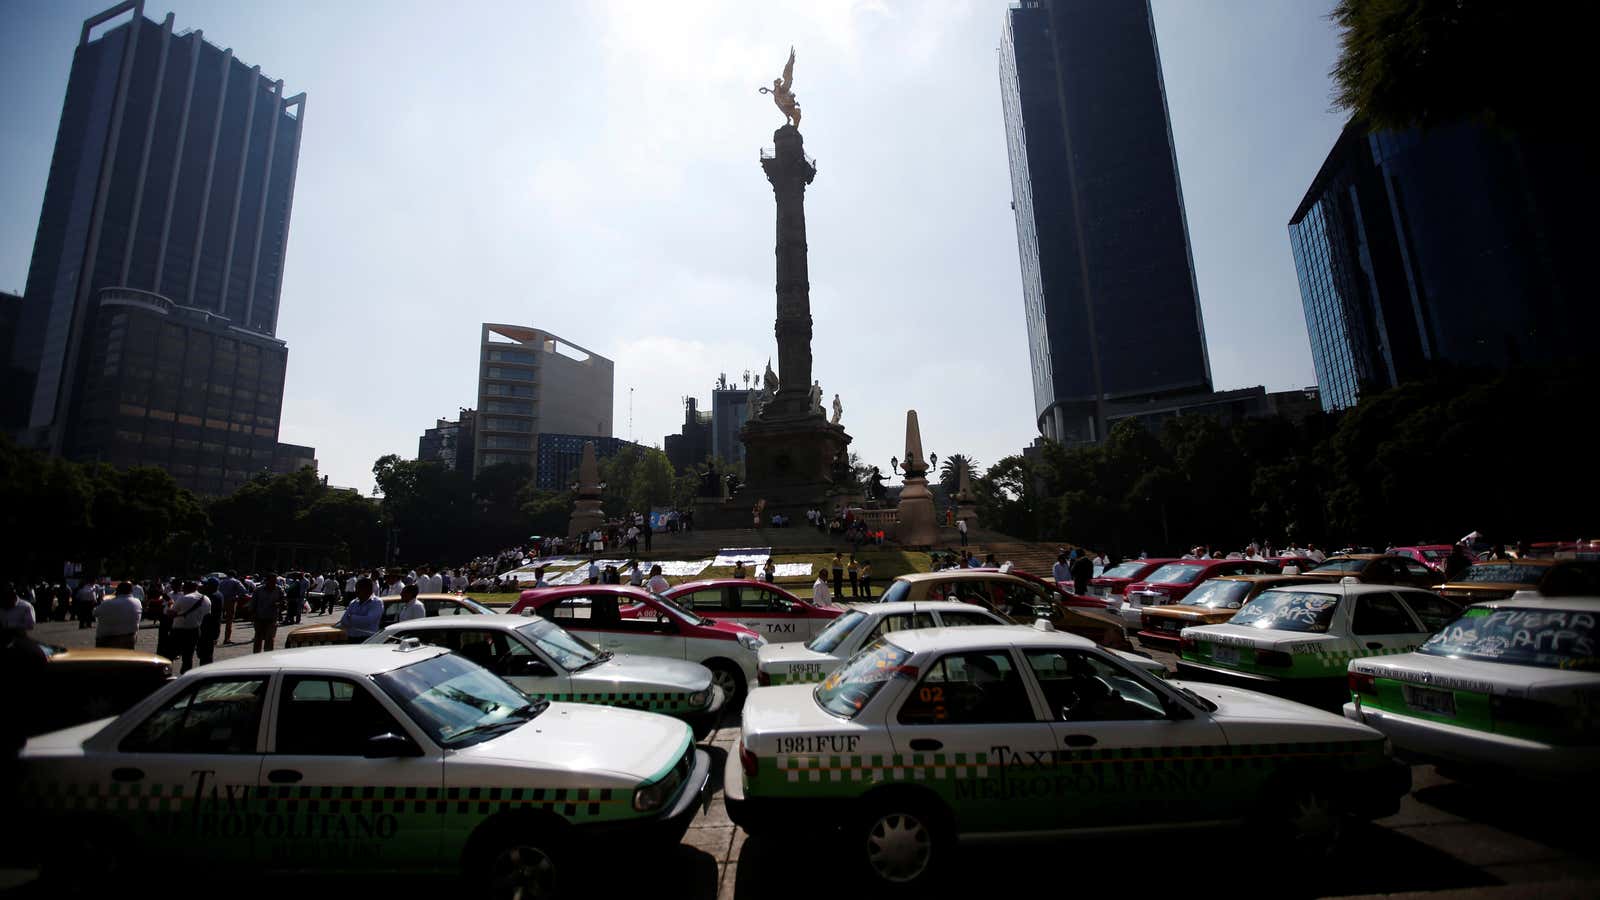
[{"x": 918, "y": 526}]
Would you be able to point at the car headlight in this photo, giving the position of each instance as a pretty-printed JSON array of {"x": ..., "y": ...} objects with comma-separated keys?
[
  {"x": 651, "y": 797},
  {"x": 751, "y": 642},
  {"x": 700, "y": 698}
]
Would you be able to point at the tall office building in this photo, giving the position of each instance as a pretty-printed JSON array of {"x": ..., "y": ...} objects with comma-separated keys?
[
  {"x": 1460, "y": 245},
  {"x": 147, "y": 328},
  {"x": 530, "y": 381},
  {"x": 691, "y": 446},
  {"x": 1108, "y": 283},
  {"x": 451, "y": 442}
]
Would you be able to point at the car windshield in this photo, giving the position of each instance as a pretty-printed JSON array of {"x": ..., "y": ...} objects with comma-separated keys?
[
  {"x": 679, "y": 611},
  {"x": 1289, "y": 611},
  {"x": 458, "y": 702},
  {"x": 895, "y": 592},
  {"x": 1435, "y": 554},
  {"x": 1340, "y": 565},
  {"x": 567, "y": 649},
  {"x": 1176, "y": 573},
  {"x": 1218, "y": 594},
  {"x": 475, "y": 606},
  {"x": 853, "y": 685},
  {"x": 1126, "y": 570},
  {"x": 1549, "y": 638},
  {"x": 1503, "y": 573},
  {"x": 836, "y": 632}
]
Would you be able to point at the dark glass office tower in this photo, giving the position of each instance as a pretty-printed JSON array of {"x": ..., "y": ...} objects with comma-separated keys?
[
  {"x": 1108, "y": 281},
  {"x": 167, "y": 205},
  {"x": 1460, "y": 245}
]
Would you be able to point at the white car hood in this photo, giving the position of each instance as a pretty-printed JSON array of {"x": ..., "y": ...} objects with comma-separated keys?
[
  {"x": 580, "y": 737},
  {"x": 635, "y": 673},
  {"x": 789, "y": 654},
  {"x": 1249, "y": 717}
]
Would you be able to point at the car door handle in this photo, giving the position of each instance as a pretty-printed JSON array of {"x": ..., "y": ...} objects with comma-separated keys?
[
  {"x": 927, "y": 744},
  {"x": 1374, "y": 645},
  {"x": 283, "y": 776},
  {"x": 127, "y": 774},
  {"x": 1080, "y": 740}
]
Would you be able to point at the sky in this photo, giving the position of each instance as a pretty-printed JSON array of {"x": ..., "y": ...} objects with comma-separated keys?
[{"x": 591, "y": 169}]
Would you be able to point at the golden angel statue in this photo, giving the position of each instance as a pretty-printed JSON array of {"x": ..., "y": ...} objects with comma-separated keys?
[{"x": 781, "y": 94}]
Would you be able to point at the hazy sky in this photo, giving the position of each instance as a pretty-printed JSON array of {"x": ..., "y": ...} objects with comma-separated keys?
[{"x": 592, "y": 169}]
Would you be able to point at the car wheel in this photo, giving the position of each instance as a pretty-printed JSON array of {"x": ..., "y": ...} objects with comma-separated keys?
[
  {"x": 1312, "y": 820},
  {"x": 522, "y": 864},
  {"x": 95, "y": 861},
  {"x": 901, "y": 841},
  {"x": 727, "y": 676}
]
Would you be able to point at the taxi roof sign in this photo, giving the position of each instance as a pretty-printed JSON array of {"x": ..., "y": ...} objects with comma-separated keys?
[{"x": 1043, "y": 624}]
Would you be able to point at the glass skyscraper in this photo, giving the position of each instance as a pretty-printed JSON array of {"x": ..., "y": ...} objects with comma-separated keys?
[
  {"x": 148, "y": 320},
  {"x": 1461, "y": 246},
  {"x": 1108, "y": 283}
]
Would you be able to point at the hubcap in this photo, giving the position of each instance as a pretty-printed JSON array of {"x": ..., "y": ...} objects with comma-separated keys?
[
  {"x": 899, "y": 847},
  {"x": 524, "y": 872},
  {"x": 726, "y": 680},
  {"x": 1314, "y": 820}
]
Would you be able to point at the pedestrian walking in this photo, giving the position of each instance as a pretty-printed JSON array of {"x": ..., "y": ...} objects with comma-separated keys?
[
  {"x": 961, "y": 528},
  {"x": 188, "y": 610},
  {"x": 116, "y": 620},
  {"x": 266, "y": 605}
]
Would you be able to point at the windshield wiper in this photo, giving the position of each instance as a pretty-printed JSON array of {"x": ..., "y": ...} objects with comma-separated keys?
[
  {"x": 532, "y": 708},
  {"x": 604, "y": 655},
  {"x": 493, "y": 726}
]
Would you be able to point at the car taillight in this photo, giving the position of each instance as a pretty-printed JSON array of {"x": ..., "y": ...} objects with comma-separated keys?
[
  {"x": 747, "y": 760},
  {"x": 1362, "y": 683},
  {"x": 763, "y": 679},
  {"x": 1276, "y": 658},
  {"x": 1524, "y": 711}
]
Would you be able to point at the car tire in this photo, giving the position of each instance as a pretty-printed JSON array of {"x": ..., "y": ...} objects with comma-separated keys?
[
  {"x": 727, "y": 676},
  {"x": 901, "y": 841},
  {"x": 518, "y": 860},
  {"x": 1310, "y": 816},
  {"x": 96, "y": 860}
]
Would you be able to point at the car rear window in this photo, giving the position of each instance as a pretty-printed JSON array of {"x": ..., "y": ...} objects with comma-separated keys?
[
  {"x": 1218, "y": 594},
  {"x": 1503, "y": 573},
  {"x": 1548, "y": 638},
  {"x": 852, "y": 686},
  {"x": 1126, "y": 570},
  {"x": 1340, "y": 565},
  {"x": 1286, "y": 610},
  {"x": 1176, "y": 573}
]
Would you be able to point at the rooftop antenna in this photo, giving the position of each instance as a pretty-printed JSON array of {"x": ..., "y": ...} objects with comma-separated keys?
[{"x": 630, "y": 415}]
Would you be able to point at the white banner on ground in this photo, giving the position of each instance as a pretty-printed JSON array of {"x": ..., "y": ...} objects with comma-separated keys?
[
  {"x": 679, "y": 568},
  {"x": 732, "y": 555},
  {"x": 791, "y": 570}
]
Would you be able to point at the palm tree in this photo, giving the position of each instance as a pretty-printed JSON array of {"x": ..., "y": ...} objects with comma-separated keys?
[{"x": 950, "y": 472}]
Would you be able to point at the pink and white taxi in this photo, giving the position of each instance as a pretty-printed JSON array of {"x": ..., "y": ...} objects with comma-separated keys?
[{"x": 772, "y": 611}]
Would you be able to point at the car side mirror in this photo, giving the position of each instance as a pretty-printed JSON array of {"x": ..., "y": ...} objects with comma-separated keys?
[
  {"x": 1176, "y": 711},
  {"x": 390, "y": 746}
]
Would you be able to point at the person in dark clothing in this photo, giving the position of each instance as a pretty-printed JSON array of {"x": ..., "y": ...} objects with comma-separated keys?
[
  {"x": 838, "y": 575},
  {"x": 211, "y": 625},
  {"x": 1082, "y": 572},
  {"x": 648, "y": 532},
  {"x": 1456, "y": 563}
]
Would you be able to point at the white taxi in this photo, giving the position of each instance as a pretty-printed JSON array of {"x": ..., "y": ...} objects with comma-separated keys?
[
  {"x": 1298, "y": 640},
  {"x": 1513, "y": 684},
  {"x": 930, "y": 735},
  {"x": 542, "y": 660},
  {"x": 358, "y": 759},
  {"x": 860, "y": 625}
]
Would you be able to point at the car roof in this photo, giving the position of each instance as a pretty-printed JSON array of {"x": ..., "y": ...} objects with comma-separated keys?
[
  {"x": 957, "y": 575},
  {"x": 1355, "y": 556},
  {"x": 1541, "y": 563},
  {"x": 918, "y": 640},
  {"x": 1533, "y": 600},
  {"x": 445, "y": 623},
  {"x": 721, "y": 582},
  {"x": 387, "y": 597},
  {"x": 905, "y": 606},
  {"x": 545, "y": 594},
  {"x": 1151, "y": 561},
  {"x": 346, "y": 659},
  {"x": 1339, "y": 589},
  {"x": 1270, "y": 576}
]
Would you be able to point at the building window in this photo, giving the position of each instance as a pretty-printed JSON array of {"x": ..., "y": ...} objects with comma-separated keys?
[
  {"x": 506, "y": 374},
  {"x": 515, "y": 356},
  {"x": 495, "y": 423},
  {"x": 507, "y": 442}
]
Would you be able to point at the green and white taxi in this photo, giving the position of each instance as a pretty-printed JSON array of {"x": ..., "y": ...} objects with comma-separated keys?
[
  {"x": 1298, "y": 640},
  {"x": 358, "y": 759},
  {"x": 931, "y": 735},
  {"x": 543, "y": 660},
  {"x": 858, "y": 626},
  {"x": 1513, "y": 684}
]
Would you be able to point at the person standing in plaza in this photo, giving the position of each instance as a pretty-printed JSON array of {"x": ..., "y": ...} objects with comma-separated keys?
[
  {"x": 658, "y": 582},
  {"x": 961, "y": 528},
  {"x": 84, "y": 598},
  {"x": 231, "y": 589},
  {"x": 1082, "y": 572},
  {"x": 410, "y": 606},
  {"x": 838, "y": 574},
  {"x": 16, "y": 614},
  {"x": 854, "y": 571},
  {"x": 116, "y": 620},
  {"x": 363, "y": 618},
  {"x": 538, "y": 578},
  {"x": 864, "y": 571},
  {"x": 769, "y": 572},
  {"x": 188, "y": 609},
  {"x": 820, "y": 595},
  {"x": 633, "y": 540},
  {"x": 649, "y": 531},
  {"x": 211, "y": 625},
  {"x": 266, "y": 605},
  {"x": 1062, "y": 573},
  {"x": 594, "y": 571}
]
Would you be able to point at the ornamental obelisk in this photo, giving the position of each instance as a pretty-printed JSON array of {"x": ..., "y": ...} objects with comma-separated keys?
[{"x": 792, "y": 451}]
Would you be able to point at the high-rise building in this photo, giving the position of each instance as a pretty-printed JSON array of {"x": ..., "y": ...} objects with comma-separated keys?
[
  {"x": 1461, "y": 245},
  {"x": 451, "y": 442},
  {"x": 691, "y": 446},
  {"x": 147, "y": 328},
  {"x": 1108, "y": 282},
  {"x": 731, "y": 407},
  {"x": 530, "y": 381},
  {"x": 561, "y": 454}
]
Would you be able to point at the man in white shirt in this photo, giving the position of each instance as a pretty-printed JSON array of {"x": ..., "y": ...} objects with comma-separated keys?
[
  {"x": 16, "y": 614},
  {"x": 594, "y": 571},
  {"x": 658, "y": 583},
  {"x": 538, "y": 578},
  {"x": 821, "y": 595},
  {"x": 1315, "y": 555},
  {"x": 116, "y": 621},
  {"x": 189, "y": 609},
  {"x": 410, "y": 606},
  {"x": 1062, "y": 572},
  {"x": 363, "y": 618}
]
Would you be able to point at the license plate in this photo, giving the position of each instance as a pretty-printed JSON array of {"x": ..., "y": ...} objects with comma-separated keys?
[
  {"x": 1429, "y": 700},
  {"x": 1170, "y": 625},
  {"x": 1228, "y": 656},
  {"x": 1099, "y": 590}
]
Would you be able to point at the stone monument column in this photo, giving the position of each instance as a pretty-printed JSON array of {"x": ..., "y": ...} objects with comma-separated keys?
[
  {"x": 966, "y": 500},
  {"x": 586, "y": 513},
  {"x": 917, "y": 527},
  {"x": 789, "y": 171}
]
